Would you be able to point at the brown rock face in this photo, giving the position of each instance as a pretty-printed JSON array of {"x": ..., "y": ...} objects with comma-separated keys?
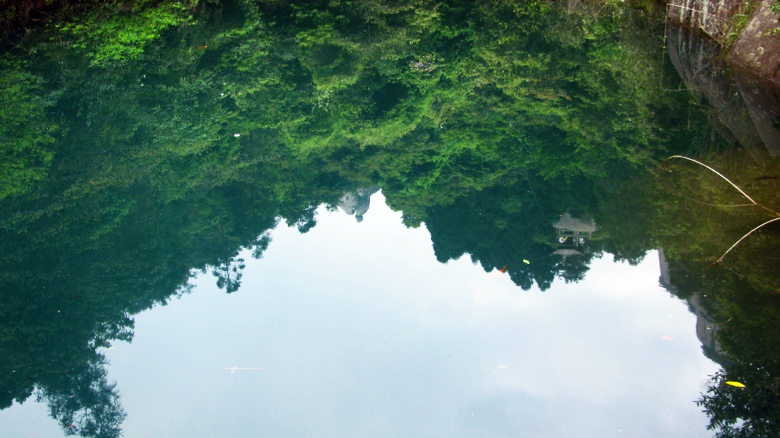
[
  {"x": 757, "y": 48},
  {"x": 712, "y": 17},
  {"x": 698, "y": 62},
  {"x": 744, "y": 86}
]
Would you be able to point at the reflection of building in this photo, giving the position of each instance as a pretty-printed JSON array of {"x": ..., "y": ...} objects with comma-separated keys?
[
  {"x": 357, "y": 202},
  {"x": 572, "y": 234},
  {"x": 706, "y": 327}
]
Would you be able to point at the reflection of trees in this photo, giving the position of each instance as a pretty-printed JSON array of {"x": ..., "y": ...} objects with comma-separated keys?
[
  {"x": 75, "y": 287},
  {"x": 84, "y": 403},
  {"x": 509, "y": 226},
  {"x": 747, "y": 331},
  {"x": 486, "y": 129},
  {"x": 753, "y": 411},
  {"x": 229, "y": 274},
  {"x": 749, "y": 334},
  {"x": 699, "y": 222}
]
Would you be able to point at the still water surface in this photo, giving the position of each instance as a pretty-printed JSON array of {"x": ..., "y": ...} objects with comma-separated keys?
[
  {"x": 440, "y": 220},
  {"x": 354, "y": 329}
]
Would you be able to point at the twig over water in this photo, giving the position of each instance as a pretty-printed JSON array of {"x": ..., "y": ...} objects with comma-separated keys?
[{"x": 744, "y": 194}]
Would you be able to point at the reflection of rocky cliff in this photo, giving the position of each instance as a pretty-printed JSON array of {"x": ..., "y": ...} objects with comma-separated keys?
[
  {"x": 754, "y": 46},
  {"x": 357, "y": 202},
  {"x": 744, "y": 92},
  {"x": 706, "y": 327},
  {"x": 695, "y": 58}
]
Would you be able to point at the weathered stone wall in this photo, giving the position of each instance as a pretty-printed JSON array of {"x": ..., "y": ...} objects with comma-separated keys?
[
  {"x": 757, "y": 48},
  {"x": 712, "y": 17},
  {"x": 743, "y": 87},
  {"x": 706, "y": 74}
]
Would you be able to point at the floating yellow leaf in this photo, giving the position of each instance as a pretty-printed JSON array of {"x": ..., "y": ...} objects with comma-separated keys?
[{"x": 737, "y": 384}]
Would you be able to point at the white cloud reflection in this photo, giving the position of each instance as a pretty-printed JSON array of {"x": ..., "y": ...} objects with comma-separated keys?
[{"x": 359, "y": 331}]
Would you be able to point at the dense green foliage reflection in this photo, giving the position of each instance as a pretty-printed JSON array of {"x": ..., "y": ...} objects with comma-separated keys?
[
  {"x": 140, "y": 147},
  {"x": 740, "y": 292}
]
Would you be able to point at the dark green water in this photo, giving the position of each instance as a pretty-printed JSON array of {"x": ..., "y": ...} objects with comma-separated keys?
[{"x": 526, "y": 261}]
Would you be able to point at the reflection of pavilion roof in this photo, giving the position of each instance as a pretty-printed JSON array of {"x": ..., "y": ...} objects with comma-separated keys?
[
  {"x": 568, "y": 223},
  {"x": 572, "y": 233},
  {"x": 566, "y": 252}
]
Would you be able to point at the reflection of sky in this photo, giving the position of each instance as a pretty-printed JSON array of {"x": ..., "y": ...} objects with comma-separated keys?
[{"x": 359, "y": 331}]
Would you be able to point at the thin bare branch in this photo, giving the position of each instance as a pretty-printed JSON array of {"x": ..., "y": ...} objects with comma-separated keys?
[
  {"x": 743, "y": 238},
  {"x": 717, "y": 173}
]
